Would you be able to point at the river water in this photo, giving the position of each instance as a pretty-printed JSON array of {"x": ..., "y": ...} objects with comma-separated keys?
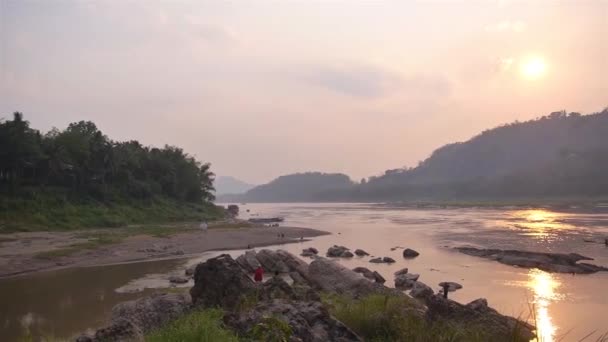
[{"x": 564, "y": 307}]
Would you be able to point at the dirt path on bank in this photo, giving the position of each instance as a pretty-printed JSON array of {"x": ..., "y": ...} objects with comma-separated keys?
[{"x": 22, "y": 253}]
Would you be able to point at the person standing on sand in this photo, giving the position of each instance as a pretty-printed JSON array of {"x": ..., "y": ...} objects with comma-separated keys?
[{"x": 258, "y": 274}]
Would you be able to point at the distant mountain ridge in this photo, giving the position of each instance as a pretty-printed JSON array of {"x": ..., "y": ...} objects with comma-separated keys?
[
  {"x": 230, "y": 185},
  {"x": 561, "y": 155},
  {"x": 298, "y": 187}
]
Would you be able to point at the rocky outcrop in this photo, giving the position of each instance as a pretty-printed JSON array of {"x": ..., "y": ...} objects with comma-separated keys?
[
  {"x": 271, "y": 262},
  {"x": 421, "y": 290},
  {"x": 366, "y": 272},
  {"x": 360, "y": 252},
  {"x": 378, "y": 278},
  {"x": 406, "y": 281},
  {"x": 550, "y": 262},
  {"x": 221, "y": 282},
  {"x": 131, "y": 320},
  {"x": 330, "y": 276},
  {"x": 476, "y": 314},
  {"x": 339, "y": 252},
  {"x": 410, "y": 253},
  {"x": 308, "y": 321},
  {"x": 248, "y": 261}
]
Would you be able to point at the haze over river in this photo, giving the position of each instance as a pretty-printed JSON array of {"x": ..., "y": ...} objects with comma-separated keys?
[{"x": 567, "y": 307}]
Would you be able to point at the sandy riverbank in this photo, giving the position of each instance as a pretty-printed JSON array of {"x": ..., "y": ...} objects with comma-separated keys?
[{"x": 23, "y": 253}]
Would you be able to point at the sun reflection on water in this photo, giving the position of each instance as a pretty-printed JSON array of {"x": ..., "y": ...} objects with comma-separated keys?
[
  {"x": 544, "y": 288},
  {"x": 539, "y": 223}
]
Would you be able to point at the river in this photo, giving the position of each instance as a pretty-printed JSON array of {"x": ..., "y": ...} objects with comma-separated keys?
[{"x": 565, "y": 307}]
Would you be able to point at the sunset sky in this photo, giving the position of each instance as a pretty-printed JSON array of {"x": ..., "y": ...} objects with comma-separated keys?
[{"x": 265, "y": 88}]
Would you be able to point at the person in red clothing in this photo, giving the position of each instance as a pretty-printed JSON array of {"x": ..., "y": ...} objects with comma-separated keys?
[{"x": 259, "y": 274}]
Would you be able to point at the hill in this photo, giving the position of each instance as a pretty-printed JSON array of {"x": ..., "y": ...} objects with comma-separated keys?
[
  {"x": 230, "y": 185},
  {"x": 556, "y": 155},
  {"x": 299, "y": 187}
]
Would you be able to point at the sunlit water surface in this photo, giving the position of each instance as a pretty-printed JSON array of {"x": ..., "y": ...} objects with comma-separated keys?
[{"x": 564, "y": 307}]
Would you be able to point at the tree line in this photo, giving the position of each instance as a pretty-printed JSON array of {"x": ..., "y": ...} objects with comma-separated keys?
[{"x": 81, "y": 161}]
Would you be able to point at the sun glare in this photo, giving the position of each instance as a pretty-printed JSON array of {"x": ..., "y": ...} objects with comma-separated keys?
[{"x": 533, "y": 68}]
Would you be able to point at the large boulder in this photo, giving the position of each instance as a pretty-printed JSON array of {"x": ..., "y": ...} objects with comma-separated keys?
[
  {"x": 477, "y": 314},
  {"x": 248, "y": 261},
  {"x": 293, "y": 263},
  {"x": 271, "y": 261},
  {"x": 421, "y": 290},
  {"x": 221, "y": 282},
  {"x": 331, "y": 276},
  {"x": 307, "y": 321},
  {"x": 131, "y": 320},
  {"x": 378, "y": 278},
  {"x": 404, "y": 281},
  {"x": 366, "y": 272}
]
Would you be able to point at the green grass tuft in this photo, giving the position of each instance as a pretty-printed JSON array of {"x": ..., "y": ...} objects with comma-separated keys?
[{"x": 198, "y": 326}]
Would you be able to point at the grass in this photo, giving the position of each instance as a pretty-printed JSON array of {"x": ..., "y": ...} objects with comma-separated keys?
[
  {"x": 198, "y": 326},
  {"x": 386, "y": 318},
  {"x": 53, "y": 212}
]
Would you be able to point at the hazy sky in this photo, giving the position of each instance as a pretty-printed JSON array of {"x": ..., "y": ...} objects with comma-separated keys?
[{"x": 264, "y": 88}]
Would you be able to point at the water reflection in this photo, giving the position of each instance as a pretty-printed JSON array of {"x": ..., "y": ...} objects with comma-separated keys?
[
  {"x": 539, "y": 223},
  {"x": 544, "y": 287}
]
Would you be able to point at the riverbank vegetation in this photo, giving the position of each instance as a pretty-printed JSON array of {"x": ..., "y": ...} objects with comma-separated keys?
[{"x": 78, "y": 177}]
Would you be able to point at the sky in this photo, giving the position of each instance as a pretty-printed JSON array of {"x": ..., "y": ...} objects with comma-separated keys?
[{"x": 266, "y": 88}]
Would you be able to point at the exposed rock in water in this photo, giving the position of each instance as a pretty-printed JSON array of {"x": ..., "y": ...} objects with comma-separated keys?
[
  {"x": 309, "y": 321},
  {"x": 476, "y": 314},
  {"x": 221, "y": 282},
  {"x": 178, "y": 280},
  {"x": 550, "y": 262},
  {"x": 309, "y": 252},
  {"x": 388, "y": 260},
  {"x": 248, "y": 261},
  {"x": 376, "y": 260},
  {"x": 378, "y": 278},
  {"x": 271, "y": 262},
  {"x": 131, "y": 320},
  {"x": 339, "y": 252},
  {"x": 361, "y": 252},
  {"x": 330, "y": 276},
  {"x": 366, "y": 272},
  {"x": 401, "y": 271},
  {"x": 410, "y": 253},
  {"x": 421, "y": 290}
]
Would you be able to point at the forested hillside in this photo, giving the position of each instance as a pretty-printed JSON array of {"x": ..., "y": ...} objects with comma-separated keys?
[
  {"x": 556, "y": 155},
  {"x": 42, "y": 173},
  {"x": 297, "y": 187}
]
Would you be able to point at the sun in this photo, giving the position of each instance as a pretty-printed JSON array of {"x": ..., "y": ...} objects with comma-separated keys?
[{"x": 533, "y": 68}]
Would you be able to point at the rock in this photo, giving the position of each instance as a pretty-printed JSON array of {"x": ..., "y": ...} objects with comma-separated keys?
[
  {"x": 297, "y": 278},
  {"x": 221, "y": 282},
  {"x": 361, "y": 252},
  {"x": 190, "y": 271},
  {"x": 293, "y": 263},
  {"x": 347, "y": 254},
  {"x": 308, "y": 321},
  {"x": 451, "y": 286},
  {"x": 406, "y": 281},
  {"x": 131, "y": 320},
  {"x": 475, "y": 314},
  {"x": 248, "y": 261},
  {"x": 421, "y": 290},
  {"x": 178, "y": 280},
  {"x": 271, "y": 262},
  {"x": 312, "y": 250},
  {"x": 388, "y": 260},
  {"x": 178, "y": 252},
  {"x": 331, "y": 276},
  {"x": 309, "y": 252},
  {"x": 378, "y": 278},
  {"x": 365, "y": 272},
  {"x": 550, "y": 262},
  {"x": 339, "y": 252},
  {"x": 410, "y": 253},
  {"x": 276, "y": 287},
  {"x": 401, "y": 271},
  {"x": 478, "y": 304},
  {"x": 376, "y": 260}
]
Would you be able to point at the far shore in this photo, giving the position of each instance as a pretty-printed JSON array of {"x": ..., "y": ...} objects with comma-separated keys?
[{"x": 26, "y": 253}]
